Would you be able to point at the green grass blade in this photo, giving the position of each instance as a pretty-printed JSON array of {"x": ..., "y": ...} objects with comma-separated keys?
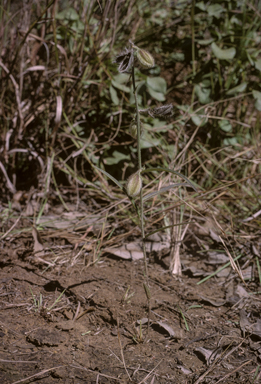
[
  {"x": 164, "y": 189},
  {"x": 218, "y": 270},
  {"x": 161, "y": 169},
  {"x": 110, "y": 177},
  {"x": 184, "y": 318}
]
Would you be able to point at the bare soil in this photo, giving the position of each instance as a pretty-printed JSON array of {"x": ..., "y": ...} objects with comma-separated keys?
[{"x": 88, "y": 324}]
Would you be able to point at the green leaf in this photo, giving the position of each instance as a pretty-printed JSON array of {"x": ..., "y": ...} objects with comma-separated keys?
[
  {"x": 258, "y": 64},
  {"x": 161, "y": 169},
  {"x": 156, "y": 95},
  {"x": 223, "y": 54},
  {"x": 120, "y": 86},
  {"x": 205, "y": 42},
  {"x": 68, "y": 14},
  {"x": 114, "y": 96},
  {"x": 215, "y": 10},
  {"x": 225, "y": 125},
  {"x": 258, "y": 105},
  {"x": 157, "y": 87},
  {"x": 201, "y": 5},
  {"x": 231, "y": 141},
  {"x": 116, "y": 158},
  {"x": 238, "y": 89},
  {"x": 158, "y": 84},
  {"x": 121, "y": 78},
  {"x": 199, "y": 117},
  {"x": 177, "y": 56},
  {"x": 110, "y": 177},
  {"x": 257, "y": 97},
  {"x": 203, "y": 93},
  {"x": 148, "y": 141}
]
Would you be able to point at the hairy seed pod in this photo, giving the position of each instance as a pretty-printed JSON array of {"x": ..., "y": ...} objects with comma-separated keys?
[
  {"x": 162, "y": 111},
  {"x": 134, "y": 184},
  {"x": 145, "y": 59},
  {"x": 125, "y": 61}
]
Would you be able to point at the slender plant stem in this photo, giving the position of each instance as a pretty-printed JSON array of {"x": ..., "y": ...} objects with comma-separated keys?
[
  {"x": 147, "y": 289},
  {"x": 137, "y": 115},
  {"x": 139, "y": 162},
  {"x": 193, "y": 46}
]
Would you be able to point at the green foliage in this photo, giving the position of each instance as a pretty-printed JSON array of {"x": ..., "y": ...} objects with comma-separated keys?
[{"x": 208, "y": 64}]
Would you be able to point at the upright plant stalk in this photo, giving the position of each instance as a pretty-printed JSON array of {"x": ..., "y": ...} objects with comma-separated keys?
[
  {"x": 127, "y": 60},
  {"x": 140, "y": 167},
  {"x": 146, "y": 284}
]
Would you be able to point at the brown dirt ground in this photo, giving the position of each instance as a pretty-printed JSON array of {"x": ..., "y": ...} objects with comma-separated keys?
[{"x": 92, "y": 333}]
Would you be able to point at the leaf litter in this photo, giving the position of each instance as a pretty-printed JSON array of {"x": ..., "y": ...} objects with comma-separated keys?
[{"x": 47, "y": 308}]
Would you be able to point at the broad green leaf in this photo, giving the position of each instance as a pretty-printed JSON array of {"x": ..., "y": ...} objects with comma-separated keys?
[
  {"x": 161, "y": 169},
  {"x": 147, "y": 141},
  {"x": 156, "y": 95},
  {"x": 177, "y": 56},
  {"x": 120, "y": 86},
  {"x": 121, "y": 78},
  {"x": 235, "y": 20},
  {"x": 201, "y": 5},
  {"x": 109, "y": 176},
  {"x": 257, "y": 97},
  {"x": 78, "y": 26},
  {"x": 223, "y": 54},
  {"x": 203, "y": 93},
  {"x": 116, "y": 158},
  {"x": 199, "y": 117},
  {"x": 215, "y": 10},
  {"x": 157, "y": 87},
  {"x": 225, "y": 125},
  {"x": 68, "y": 14},
  {"x": 238, "y": 89},
  {"x": 250, "y": 58},
  {"x": 258, "y": 64},
  {"x": 258, "y": 105},
  {"x": 231, "y": 141},
  {"x": 158, "y": 84},
  {"x": 205, "y": 42},
  {"x": 114, "y": 96}
]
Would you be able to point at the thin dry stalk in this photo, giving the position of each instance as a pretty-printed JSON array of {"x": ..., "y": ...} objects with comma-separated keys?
[
  {"x": 177, "y": 236},
  {"x": 122, "y": 355},
  {"x": 38, "y": 374}
]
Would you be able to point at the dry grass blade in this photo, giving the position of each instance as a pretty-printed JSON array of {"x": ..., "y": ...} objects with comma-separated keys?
[
  {"x": 43, "y": 372},
  {"x": 150, "y": 373},
  {"x": 233, "y": 371},
  {"x": 233, "y": 264},
  {"x": 9, "y": 185},
  {"x": 121, "y": 349},
  {"x": 17, "y": 93}
]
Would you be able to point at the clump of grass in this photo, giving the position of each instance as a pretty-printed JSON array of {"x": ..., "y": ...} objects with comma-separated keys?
[{"x": 63, "y": 110}]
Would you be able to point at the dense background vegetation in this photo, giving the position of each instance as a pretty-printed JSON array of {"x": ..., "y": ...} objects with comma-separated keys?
[{"x": 64, "y": 107}]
